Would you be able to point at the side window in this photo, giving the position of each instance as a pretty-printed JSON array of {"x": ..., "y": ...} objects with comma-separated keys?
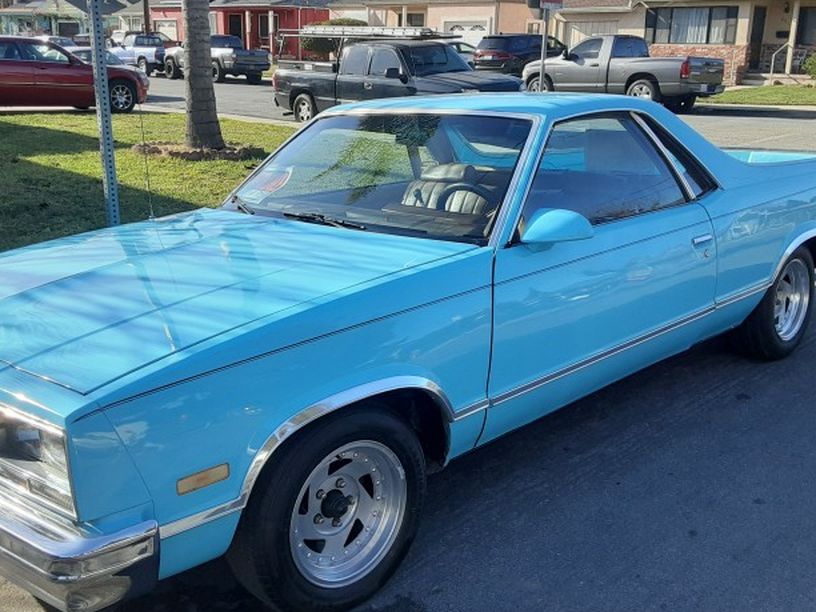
[
  {"x": 603, "y": 167},
  {"x": 8, "y": 51},
  {"x": 626, "y": 47},
  {"x": 684, "y": 163},
  {"x": 589, "y": 49},
  {"x": 382, "y": 60},
  {"x": 355, "y": 60},
  {"x": 42, "y": 53},
  {"x": 128, "y": 41}
]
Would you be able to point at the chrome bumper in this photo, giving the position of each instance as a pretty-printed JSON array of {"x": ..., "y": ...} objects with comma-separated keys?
[{"x": 73, "y": 569}]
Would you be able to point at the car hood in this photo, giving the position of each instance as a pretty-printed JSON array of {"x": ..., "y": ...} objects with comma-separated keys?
[
  {"x": 85, "y": 310},
  {"x": 482, "y": 81}
]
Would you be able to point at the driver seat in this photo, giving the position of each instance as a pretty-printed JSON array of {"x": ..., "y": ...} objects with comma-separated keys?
[{"x": 425, "y": 192}]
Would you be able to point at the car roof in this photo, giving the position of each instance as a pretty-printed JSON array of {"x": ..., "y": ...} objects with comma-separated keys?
[
  {"x": 554, "y": 105},
  {"x": 403, "y": 42}
]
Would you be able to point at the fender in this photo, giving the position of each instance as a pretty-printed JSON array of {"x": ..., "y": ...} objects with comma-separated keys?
[{"x": 300, "y": 420}]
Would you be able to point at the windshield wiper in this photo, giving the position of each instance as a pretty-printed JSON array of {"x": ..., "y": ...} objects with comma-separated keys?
[
  {"x": 321, "y": 219},
  {"x": 242, "y": 206}
]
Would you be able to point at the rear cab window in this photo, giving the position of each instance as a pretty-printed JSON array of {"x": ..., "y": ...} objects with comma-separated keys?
[
  {"x": 355, "y": 60},
  {"x": 630, "y": 47}
]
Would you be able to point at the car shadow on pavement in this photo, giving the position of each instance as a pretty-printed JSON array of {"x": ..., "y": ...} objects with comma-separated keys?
[{"x": 769, "y": 112}]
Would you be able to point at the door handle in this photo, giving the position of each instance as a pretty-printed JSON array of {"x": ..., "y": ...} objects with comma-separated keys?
[
  {"x": 701, "y": 240},
  {"x": 367, "y": 85},
  {"x": 595, "y": 65}
]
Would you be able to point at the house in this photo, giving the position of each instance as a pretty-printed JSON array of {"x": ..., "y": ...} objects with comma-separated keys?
[
  {"x": 251, "y": 20},
  {"x": 471, "y": 19},
  {"x": 65, "y": 17},
  {"x": 749, "y": 35}
]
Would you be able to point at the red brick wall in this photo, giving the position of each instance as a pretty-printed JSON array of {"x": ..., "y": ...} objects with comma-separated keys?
[{"x": 735, "y": 56}]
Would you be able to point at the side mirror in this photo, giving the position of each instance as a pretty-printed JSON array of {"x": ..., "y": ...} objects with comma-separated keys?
[
  {"x": 566, "y": 54},
  {"x": 392, "y": 73},
  {"x": 551, "y": 225}
]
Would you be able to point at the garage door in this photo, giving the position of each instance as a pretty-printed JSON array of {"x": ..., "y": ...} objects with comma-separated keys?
[
  {"x": 168, "y": 27},
  {"x": 579, "y": 30},
  {"x": 471, "y": 30}
]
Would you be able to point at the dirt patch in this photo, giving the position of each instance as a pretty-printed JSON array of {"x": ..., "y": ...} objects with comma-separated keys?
[{"x": 179, "y": 151}]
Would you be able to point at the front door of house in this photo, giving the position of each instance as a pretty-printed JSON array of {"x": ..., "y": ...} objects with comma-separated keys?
[
  {"x": 235, "y": 24},
  {"x": 757, "y": 32}
]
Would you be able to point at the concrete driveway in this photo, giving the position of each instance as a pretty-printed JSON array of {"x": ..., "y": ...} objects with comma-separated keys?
[{"x": 688, "y": 486}]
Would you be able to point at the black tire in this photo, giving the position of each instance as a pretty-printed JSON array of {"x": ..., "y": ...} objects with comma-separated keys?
[
  {"x": 262, "y": 556},
  {"x": 760, "y": 335},
  {"x": 304, "y": 108},
  {"x": 218, "y": 72},
  {"x": 644, "y": 88},
  {"x": 680, "y": 106},
  {"x": 533, "y": 84},
  {"x": 122, "y": 95},
  {"x": 144, "y": 66},
  {"x": 171, "y": 70},
  {"x": 254, "y": 78}
]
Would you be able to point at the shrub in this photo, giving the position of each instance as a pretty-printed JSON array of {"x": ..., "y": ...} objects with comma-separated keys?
[
  {"x": 325, "y": 46},
  {"x": 810, "y": 66}
]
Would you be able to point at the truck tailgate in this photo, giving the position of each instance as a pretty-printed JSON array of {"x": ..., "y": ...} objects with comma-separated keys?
[
  {"x": 245, "y": 56},
  {"x": 706, "y": 71}
]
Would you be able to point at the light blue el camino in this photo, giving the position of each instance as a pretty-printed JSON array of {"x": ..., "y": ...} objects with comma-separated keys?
[{"x": 401, "y": 282}]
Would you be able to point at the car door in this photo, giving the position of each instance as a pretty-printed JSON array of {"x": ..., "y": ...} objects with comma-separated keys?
[
  {"x": 59, "y": 80},
  {"x": 384, "y": 60},
  {"x": 352, "y": 72},
  {"x": 16, "y": 76},
  {"x": 573, "y": 316},
  {"x": 580, "y": 70}
]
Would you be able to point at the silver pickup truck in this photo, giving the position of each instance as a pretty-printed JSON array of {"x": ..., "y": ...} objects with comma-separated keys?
[
  {"x": 621, "y": 64},
  {"x": 228, "y": 57}
]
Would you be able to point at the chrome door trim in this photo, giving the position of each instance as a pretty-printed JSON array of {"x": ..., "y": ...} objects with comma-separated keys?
[{"x": 666, "y": 155}]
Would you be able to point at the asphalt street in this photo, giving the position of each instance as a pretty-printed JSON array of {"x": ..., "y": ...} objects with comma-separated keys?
[
  {"x": 726, "y": 126},
  {"x": 688, "y": 486}
]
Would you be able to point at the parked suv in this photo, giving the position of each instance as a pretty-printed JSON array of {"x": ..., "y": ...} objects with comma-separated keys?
[{"x": 509, "y": 52}]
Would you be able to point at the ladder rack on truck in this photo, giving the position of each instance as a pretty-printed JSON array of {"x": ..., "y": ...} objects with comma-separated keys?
[{"x": 347, "y": 33}]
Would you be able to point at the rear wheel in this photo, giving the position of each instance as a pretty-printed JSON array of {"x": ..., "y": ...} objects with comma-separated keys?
[
  {"x": 333, "y": 516},
  {"x": 303, "y": 107},
  {"x": 680, "y": 106},
  {"x": 171, "y": 70},
  {"x": 644, "y": 88},
  {"x": 144, "y": 66},
  {"x": 777, "y": 325},
  {"x": 122, "y": 96}
]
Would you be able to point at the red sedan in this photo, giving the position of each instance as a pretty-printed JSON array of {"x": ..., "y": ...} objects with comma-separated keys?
[{"x": 34, "y": 72}]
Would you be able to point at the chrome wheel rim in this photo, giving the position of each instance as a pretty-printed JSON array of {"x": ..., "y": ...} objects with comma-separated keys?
[
  {"x": 535, "y": 85},
  {"x": 348, "y": 514},
  {"x": 215, "y": 73},
  {"x": 641, "y": 91},
  {"x": 304, "y": 110},
  {"x": 143, "y": 65},
  {"x": 791, "y": 300},
  {"x": 121, "y": 97}
]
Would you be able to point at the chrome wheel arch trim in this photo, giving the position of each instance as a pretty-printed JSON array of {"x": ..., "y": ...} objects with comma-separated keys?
[
  {"x": 795, "y": 244},
  {"x": 308, "y": 416}
]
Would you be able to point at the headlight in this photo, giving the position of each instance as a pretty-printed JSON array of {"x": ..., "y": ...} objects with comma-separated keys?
[{"x": 34, "y": 460}]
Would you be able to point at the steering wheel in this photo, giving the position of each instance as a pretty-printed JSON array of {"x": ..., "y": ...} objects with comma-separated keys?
[{"x": 451, "y": 189}]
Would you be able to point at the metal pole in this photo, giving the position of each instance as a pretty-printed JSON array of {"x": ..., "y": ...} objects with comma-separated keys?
[
  {"x": 103, "y": 113},
  {"x": 541, "y": 75}
]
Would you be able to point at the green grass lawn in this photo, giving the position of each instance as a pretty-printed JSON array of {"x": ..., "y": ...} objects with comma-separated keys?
[
  {"x": 797, "y": 95},
  {"x": 51, "y": 175}
]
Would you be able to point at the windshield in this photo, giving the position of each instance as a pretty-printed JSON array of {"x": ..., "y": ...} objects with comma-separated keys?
[
  {"x": 435, "y": 59},
  {"x": 85, "y": 56},
  {"x": 434, "y": 176}
]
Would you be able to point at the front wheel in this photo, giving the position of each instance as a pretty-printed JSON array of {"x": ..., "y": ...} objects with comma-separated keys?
[
  {"x": 333, "y": 516},
  {"x": 303, "y": 107},
  {"x": 534, "y": 84},
  {"x": 122, "y": 96},
  {"x": 644, "y": 88},
  {"x": 777, "y": 325},
  {"x": 171, "y": 70},
  {"x": 218, "y": 72}
]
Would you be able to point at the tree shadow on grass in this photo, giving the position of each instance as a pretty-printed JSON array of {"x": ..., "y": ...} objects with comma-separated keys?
[{"x": 40, "y": 202}]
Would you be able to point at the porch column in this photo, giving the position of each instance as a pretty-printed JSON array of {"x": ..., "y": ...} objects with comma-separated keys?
[
  {"x": 404, "y": 16},
  {"x": 794, "y": 26},
  {"x": 248, "y": 29},
  {"x": 271, "y": 32}
]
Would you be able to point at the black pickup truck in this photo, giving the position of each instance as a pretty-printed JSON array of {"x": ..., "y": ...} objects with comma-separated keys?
[{"x": 380, "y": 69}]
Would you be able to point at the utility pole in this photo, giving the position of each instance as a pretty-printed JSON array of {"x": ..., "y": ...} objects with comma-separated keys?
[
  {"x": 103, "y": 113},
  {"x": 545, "y": 14},
  {"x": 145, "y": 16}
]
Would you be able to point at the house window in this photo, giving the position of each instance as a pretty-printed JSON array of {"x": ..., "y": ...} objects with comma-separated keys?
[
  {"x": 534, "y": 27},
  {"x": 263, "y": 24},
  {"x": 413, "y": 20},
  {"x": 698, "y": 25},
  {"x": 807, "y": 26},
  {"x": 213, "y": 29}
]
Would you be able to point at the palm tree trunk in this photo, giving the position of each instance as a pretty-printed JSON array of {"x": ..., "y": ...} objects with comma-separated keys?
[{"x": 203, "y": 129}]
